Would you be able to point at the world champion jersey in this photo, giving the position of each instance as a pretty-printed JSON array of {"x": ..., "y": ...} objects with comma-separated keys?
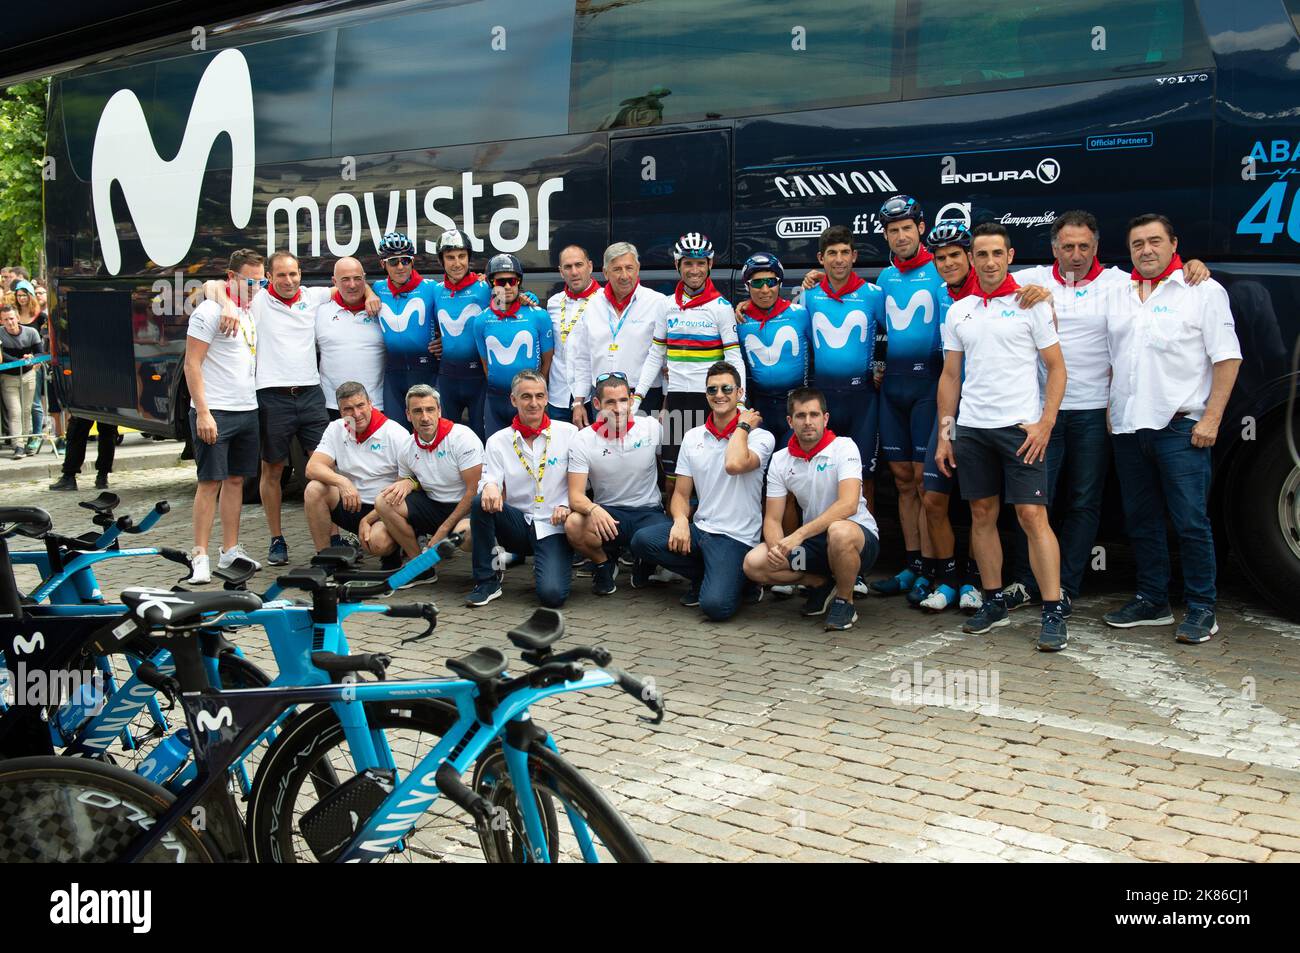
[
  {"x": 912, "y": 319},
  {"x": 406, "y": 319},
  {"x": 690, "y": 336},
  {"x": 512, "y": 344},
  {"x": 458, "y": 310},
  {"x": 843, "y": 332},
  {"x": 777, "y": 350}
]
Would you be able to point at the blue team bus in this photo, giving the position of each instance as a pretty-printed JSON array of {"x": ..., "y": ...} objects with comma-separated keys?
[{"x": 531, "y": 124}]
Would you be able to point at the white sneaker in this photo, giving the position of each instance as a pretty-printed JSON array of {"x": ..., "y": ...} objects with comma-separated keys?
[
  {"x": 936, "y": 601},
  {"x": 782, "y": 592},
  {"x": 666, "y": 575},
  {"x": 971, "y": 599},
  {"x": 200, "y": 568},
  {"x": 236, "y": 551},
  {"x": 860, "y": 587}
]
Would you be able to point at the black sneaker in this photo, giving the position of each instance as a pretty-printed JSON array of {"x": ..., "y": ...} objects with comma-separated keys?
[
  {"x": 692, "y": 596},
  {"x": 1052, "y": 636},
  {"x": 841, "y": 615},
  {"x": 1139, "y": 612},
  {"x": 1016, "y": 595},
  {"x": 752, "y": 594},
  {"x": 584, "y": 567},
  {"x": 430, "y": 575},
  {"x": 392, "y": 562},
  {"x": 603, "y": 576},
  {"x": 1197, "y": 626},
  {"x": 278, "y": 554},
  {"x": 990, "y": 616},
  {"x": 819, "y": 600},
  {"x": 65, "y": 482},
  {"x": 641, "y": 573},
  {"x": 101, "y": 481},
  {"x": 484, "y": 593},
  {"x": 627, "y": 560}
]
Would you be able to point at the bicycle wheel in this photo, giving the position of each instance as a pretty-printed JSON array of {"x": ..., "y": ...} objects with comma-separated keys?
[
  {"x": 311, "y": 759},
  {"x": 73, "y": 810},
  {"x": 556, "y": 781}
]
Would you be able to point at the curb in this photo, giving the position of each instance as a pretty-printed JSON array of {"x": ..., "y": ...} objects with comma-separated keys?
[{"x": 148, "y": 459}]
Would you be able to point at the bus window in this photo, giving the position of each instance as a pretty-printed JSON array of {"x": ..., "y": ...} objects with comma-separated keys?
[
  {"x": 648, "y": 62},
  {"x": 481, "y": 71},
  {"x": 1005, "y": 44}
]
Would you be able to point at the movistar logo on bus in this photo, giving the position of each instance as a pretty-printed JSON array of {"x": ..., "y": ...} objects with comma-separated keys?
[{"x": 162, "y": 195}]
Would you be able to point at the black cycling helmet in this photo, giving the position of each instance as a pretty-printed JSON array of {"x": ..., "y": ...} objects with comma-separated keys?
[
  {"x": 500, "y": 263},
  {"x": 762, "y": 261},
  {"x": 900, "y": 208},
  {"x": 949, "y": 232}
]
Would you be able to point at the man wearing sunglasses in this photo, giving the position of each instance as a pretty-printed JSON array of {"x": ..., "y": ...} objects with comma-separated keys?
[
  {"x": 568, "y": 309},
  {"x": 774, "y": 336},
  {"x": 722, "y": 463},
  {"x": 461, "y": 297},
  {"x": 512, "y": 337},
  {"x": 407, "y": 321},
  {"x": 618, "y": 455}
]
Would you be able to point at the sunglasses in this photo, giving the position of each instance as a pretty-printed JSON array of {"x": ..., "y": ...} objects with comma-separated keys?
[
  {"x": 400, "y": 261},
  {"x": 727, "y": 389},
  {"x": 256, "y": 282},
  {"x": 505, "y": 282},
  {"x": 765, "y": 282},
  {"x": 612, "y": 375}
]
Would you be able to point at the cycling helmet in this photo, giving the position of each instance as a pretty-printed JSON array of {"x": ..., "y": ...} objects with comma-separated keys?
[
  {"x": 762, "y": 262},
  {"x": 394, "y": 244},
  {"x": 693, "y": 245},
  {"x": 948, "y": 233},
  {"x": 500, "y": 263},
  {"x": 900, "y": 208},
  {"x": 452, "y": 239}
]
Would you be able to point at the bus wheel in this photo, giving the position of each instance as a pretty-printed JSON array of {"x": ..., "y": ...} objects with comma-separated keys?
[{"x": 1264, "y": 528}]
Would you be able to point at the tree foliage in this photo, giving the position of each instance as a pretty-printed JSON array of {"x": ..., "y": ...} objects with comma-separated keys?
[{"x": 22, "y": 154}]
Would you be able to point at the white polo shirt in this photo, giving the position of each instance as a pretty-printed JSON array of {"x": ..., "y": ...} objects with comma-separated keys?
[
  {"x": 1081, "y": 311},
  {"x": 439, "y": 470},
  {"x": 351, "y": 349},
  {"x": 1000, "y": 342},
  {"x": 567, "y": 315},
  {"x": 815, "y": 483},
  {"x": 623, "y": 470},
  {"x": 729, "y": 505},
  {"x": 608, "y": 342},
  {"x": 371, "y": 464},
  {"x": 502, "y": 465},
  {"x": 228, "y": 367},
  {"x": 286, "y": 338},
  {"x": 1163, "y": 351}
]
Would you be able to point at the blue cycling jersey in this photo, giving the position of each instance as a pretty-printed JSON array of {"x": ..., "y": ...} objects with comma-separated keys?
[
  {"x": 458, "y": 309},
  {"x": 776, "y": 349},
  {"x": 406, "y": 319},
  {"x": 912, "y": 304},
  {"x": 843, "y": 332},
  {"x": 508, "y": 345}
]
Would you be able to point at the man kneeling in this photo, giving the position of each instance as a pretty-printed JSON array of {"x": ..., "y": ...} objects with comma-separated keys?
[
  {"x": 357, "y": 458},
  {"x": 840, "y": 538}
]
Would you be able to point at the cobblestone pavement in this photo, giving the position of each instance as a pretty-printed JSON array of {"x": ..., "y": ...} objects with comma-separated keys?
[{"x": 787, "y": 742}]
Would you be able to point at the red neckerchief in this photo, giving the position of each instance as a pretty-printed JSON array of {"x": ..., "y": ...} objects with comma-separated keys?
[
  {"x": 601, "y": 427},
  {"x": 703, "y": 296},
  {"x": 726, "y": 432},
  {"x": 1174, "y": 264},
  {"x": 921, "y": 257},
  {"x": 798, "y": 451},
  {"x": 337, "y": 298},
  {"x": 508, "y": 312},
  {"x": 968, "y": 286},
  {"x": 411, "y": 282},
  {"x": 1008, "y": 285},
  {"x": 850, "y": 286},
  {"x": 619, "y": 305},
  {"x": 528, "y": 431},
  {"x": 1092, "y": 274},
  {"x": 287, "y": 302},
  {"x": 461, "y": 285},
  {"x": 444, "y": 428},
  {"x": 377, "y": 420},
  {"x": 591, "y": 290},
  {"x": 754, "y": 311}
]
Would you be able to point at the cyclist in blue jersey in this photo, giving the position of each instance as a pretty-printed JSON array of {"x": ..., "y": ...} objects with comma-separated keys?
[
  {"x": 407, "y": 321},
  {"x": 512, "y": 336},
  {"x": 460, "y": 298},
  {"x": 774, "y": 336},
  {"x": 846, "y": 312}
]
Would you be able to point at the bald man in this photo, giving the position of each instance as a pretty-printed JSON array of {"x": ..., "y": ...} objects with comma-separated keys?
[{"x": 351, "y": 342}]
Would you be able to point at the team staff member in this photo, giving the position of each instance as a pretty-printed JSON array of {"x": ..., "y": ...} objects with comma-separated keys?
[
  {"x": 568, "y": 308},
  {"x": 618, "y": 455},
  {"x": 357, "y": 458},
  {"x": 774, "y": 337},
  {"x": 695, "y": 328},
  {"x": 220, "y": 373},
  {"x": 513, "y": 336},
  {"x": 350, "y": 340},
  {"x": 722, "y": 462},
  {"x": 461, "y": 297},
  {"x": 838, "y": 539},
  {"x": 1174, "y": 356},
  {"x": 407, "y": 321},
  {"x": 438, "y": 474},
  {"x": 1004, "y": 426},
  {"x": 615, "y": 336},
  {"x": 523, "y": 498}
]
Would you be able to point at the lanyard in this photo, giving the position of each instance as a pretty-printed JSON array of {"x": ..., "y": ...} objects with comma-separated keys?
[
  {"x": 541, "y": 470},
  {"x": 613, "y": 331},
  {"x": 564, "y": 310}
]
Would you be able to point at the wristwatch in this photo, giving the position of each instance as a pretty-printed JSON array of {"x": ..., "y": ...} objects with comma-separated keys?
[{"x": 744, "y": 426}]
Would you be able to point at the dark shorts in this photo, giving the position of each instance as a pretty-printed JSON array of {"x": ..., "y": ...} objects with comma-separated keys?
[
  {"x": 855, "y": 413},
  {"x": 682, "y": 412},
  {"x": 350, "y": 521},
  {"x": 235, "y": 453},
  {"x": 426, "y": 515},
  {"x": 816, "y": 559},
  {"x": 907, "y": 415},
  {"x": 284, "y": 416},
  {"x": 987, "y": 462},
  {"x": 630, "y": 519},
  {"x": 932, "y": 479}
]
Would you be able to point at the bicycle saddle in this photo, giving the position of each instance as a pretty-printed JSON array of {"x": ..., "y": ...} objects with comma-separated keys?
[
  {"x": 104, "y": 503},
  {"x": 25, "y": 520},
  {"x": 162, "y": 607},
  {"x": 333, "y": 558},
  {"x": 543, "y": 628}
]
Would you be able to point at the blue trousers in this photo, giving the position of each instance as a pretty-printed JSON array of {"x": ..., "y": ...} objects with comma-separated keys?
[
  {"x": 715, "y": 564},
  {"x": 461, "y": 394},
  {"x": 398, "y": 379},
  {"x": 497, "y": 411},
  {"x": 495, "y": 534}
]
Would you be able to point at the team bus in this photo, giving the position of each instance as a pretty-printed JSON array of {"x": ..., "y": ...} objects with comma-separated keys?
[{"x": 531, "y": 124}]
